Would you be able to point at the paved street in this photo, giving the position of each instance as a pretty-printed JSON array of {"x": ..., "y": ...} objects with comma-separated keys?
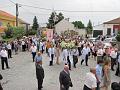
[{"x": 21, "y": 75}]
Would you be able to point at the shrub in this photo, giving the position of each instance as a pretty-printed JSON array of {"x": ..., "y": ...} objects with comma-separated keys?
[
  {"x": 118, "y": 36},
  {"x": 31, "y": 32}
]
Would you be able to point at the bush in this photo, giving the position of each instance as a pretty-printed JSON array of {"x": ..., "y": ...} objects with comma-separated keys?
[
  {"x": 18, "y": 32},
  {"x": 31, "y": 32},
  {"x": 118, "y": 36}
]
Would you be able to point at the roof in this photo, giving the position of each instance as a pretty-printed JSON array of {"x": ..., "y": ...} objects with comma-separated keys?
[
  {"x": 114, "y": 21},
  {"x": 11, "y": 17},
  {"x": 6, "y": 14}
]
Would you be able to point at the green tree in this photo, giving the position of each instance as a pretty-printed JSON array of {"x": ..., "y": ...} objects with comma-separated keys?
[
  {"x": 118, "y": 36},
  {"x": 60, "y": 17},
  {"x": 35, "y": 24},
  {"x": 89, "y": 27},
  {"x": 54, "y": 19},
  {"x": 9, "y": 31},
  {"x": 78, "y": 24}
]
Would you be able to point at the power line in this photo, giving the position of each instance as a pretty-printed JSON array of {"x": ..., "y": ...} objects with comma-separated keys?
[
  {"x": 12, "y": 2},
  {"x": 48, "y": 9}
]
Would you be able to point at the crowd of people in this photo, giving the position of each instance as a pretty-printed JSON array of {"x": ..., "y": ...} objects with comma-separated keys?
[{"x": 107, "y": 57}]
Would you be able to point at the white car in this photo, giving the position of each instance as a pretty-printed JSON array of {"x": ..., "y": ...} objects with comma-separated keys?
[
  {"x": 92, "y": 39},
  {"x": 108, "y": 40}
]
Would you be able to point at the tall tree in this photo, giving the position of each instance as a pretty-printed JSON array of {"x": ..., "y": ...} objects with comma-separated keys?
[
  {"x": 89, "y": 27},
  {"x": 78, "y": 24},
  {"x": 35, "y": 24},
  {"x": 54, "y": 19},
  {"x": 60, "y": 17}
]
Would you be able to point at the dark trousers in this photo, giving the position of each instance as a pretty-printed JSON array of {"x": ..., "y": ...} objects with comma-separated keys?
[
  {"x": 118, "y": 70},
  {"x": 40, "y": 82},
  {"x": 65, "y": 88},
  {"x": 33, "y": 55},
  {"x": 86, "y": 60},
  {"x": 9, "y": 53},
  {"x": 75, "y": 60},
  {"x": 98, "y": 86},
  {"x": 4, "y": 60},
  {"x": 79, "y": 50},
  {"x": 23, "y": 47},
  {"x": 1, "y": 87},
  {"x": 69, "y": 63},
  {"x": 86, "y": 88},
  {"x": 113, "y": 61},
  {"x": 51, "y": 62}
]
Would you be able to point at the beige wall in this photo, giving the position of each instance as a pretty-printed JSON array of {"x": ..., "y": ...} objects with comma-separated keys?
[{"x": 63, "y": 26}]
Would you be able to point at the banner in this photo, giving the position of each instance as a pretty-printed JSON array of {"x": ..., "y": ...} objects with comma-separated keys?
[{"x": 50, "y": 34}]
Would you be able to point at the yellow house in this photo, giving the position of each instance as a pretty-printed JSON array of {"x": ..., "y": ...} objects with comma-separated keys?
[{"x": 6, "y": 18}]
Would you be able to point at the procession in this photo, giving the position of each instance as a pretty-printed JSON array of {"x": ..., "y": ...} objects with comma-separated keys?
[
  {"x": 67, "y": 52},
  {"x": 59, "y": 45}
]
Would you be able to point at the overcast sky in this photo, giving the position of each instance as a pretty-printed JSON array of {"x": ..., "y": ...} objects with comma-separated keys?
[{"x": 27, "y": 13}]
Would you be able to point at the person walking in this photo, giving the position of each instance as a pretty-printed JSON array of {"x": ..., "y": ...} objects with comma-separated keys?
[
  {"x": 33, "y": 50},
  {"x": 38, "y": 58},
  {"x": 113, "y": 55},
  {"x": 0, "y": 82},
  {"x": 51, "y": 52},
  {"x": 99, "y": 73},
  {"x": 4, "y": 58},
  {"x": 100, "y": 53},
  {"x": 90, "y": 80},
  {"x": 9, "y": 49},
  {"x": 84, "y": 56},
  {"x": 57, "y": 54},
  {"x": 118, "y": 66},
  {"x": 64, "y": 79},
  {"x": 106, "y": 76},
  {"x": 75, "y": 57},
  {"x": 39, "y": 74}
]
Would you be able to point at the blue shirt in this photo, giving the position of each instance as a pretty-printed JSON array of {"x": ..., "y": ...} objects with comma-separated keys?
[
  {"x": 38, "y": 58},
  {"x": 99, "y": 72}
]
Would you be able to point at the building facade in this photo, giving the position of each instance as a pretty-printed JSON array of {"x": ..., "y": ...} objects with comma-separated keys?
[
  {"x": 109, "y": 28},
  {"x": 7, "y": 18},
  {"x": 64, "y": 25}
]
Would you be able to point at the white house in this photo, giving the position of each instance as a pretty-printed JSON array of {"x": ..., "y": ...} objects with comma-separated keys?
[
  {"x": 64, "y": 25},
  {"x": 107, "y": 28},
  {"x": 81, "y": 32}
]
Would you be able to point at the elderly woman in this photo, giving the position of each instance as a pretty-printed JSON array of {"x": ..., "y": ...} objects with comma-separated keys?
[{"x": 38, "y": 58}]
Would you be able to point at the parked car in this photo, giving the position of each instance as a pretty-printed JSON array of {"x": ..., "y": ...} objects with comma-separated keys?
[{"x": 110, "y": 40}]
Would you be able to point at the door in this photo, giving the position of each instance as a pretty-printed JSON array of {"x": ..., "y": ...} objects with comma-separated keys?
[
  {"x": 108, "y": 31},
  {"x": 97, "y": 32}
]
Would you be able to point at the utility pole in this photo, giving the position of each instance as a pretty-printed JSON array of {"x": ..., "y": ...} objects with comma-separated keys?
[{"x": 17, "y": 13}]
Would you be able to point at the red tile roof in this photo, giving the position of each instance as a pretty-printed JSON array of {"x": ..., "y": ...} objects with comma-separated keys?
[
  {"x": 3, "y": 13},
  {"x": 114, "y": 21}
]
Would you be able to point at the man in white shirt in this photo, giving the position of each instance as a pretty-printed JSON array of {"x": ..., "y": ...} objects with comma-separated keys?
[
  {"x": 85, "y": 52},
  {"x": 9, "y": 47},
  {"x": 33, "y": 50},
  {"x": 90, "y": 80},
  {"x": 4, "y": 58},
  {"x": 113, "y": 55},
  {"x": 51, "y": 52},
  {"x": 100, "y": 54}
]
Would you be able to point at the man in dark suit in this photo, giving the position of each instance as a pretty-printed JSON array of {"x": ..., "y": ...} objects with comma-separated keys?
[
  {"x": 39, "y": 75},
  {"x": 64, "y": 78},
  {"x": 0, "y": 83}
]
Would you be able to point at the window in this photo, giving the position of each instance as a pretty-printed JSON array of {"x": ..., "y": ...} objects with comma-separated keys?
[{"x": 108, "y": 31}]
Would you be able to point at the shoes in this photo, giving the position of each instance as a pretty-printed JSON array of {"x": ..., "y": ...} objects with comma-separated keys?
[
  {"x": 3, "y": 69},
  {"x": 8, "y": 67}
]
